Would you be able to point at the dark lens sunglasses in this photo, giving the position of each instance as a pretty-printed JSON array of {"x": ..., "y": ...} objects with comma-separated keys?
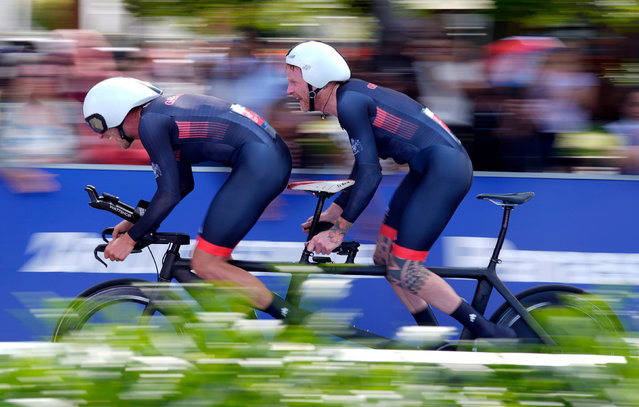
[{"x": 97, "y": 123}]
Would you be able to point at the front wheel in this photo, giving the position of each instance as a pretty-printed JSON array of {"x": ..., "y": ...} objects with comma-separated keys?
[
  {"x": 573, "y": 318},
  {"x": 122, "y": 302}
]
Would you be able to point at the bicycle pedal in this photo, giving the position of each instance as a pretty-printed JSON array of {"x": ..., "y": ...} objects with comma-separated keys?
[{"x": 322, "y": 259}]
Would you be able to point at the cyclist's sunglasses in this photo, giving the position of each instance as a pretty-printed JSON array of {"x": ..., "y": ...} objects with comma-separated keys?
[{"x": 97, "y": 123}]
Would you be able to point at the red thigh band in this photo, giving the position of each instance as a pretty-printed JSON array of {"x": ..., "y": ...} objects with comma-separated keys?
[
  {"x": 408, "y": 254},
  {"x": 388, "y": 232},
  {"x": 210, "y": 248}
]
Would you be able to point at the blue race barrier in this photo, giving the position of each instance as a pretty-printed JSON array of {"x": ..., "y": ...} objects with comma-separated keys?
[{"x": 580, "y": 231}]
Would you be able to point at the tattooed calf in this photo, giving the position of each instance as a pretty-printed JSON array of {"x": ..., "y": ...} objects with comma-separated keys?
[{"x": 408, "y": 274}]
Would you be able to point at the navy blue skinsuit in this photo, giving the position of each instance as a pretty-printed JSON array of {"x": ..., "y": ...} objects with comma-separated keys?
[
  {"x": 381, "y": 122},
  {"x": 184, "y": 129}
]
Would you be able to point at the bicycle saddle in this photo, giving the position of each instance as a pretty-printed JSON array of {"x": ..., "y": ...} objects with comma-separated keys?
[
  {"x": 508, "y": 199},
  {"x": 330, "y": 187}
]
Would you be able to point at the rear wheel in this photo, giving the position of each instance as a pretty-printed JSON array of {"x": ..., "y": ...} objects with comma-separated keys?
[
  {"x": 573, "y": 318},
  {"x": 119, "y": 302}
]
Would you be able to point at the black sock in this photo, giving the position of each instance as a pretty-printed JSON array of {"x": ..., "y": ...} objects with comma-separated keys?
[
  {"x": 425, "y": 317},
  {"x": 279, "y": 308},
  {"x": 478, "y": 326}
]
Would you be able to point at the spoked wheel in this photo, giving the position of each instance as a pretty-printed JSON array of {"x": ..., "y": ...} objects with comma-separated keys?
[
  {"x": 122, "y": 301},
  {"x": 573, "y": 318}
]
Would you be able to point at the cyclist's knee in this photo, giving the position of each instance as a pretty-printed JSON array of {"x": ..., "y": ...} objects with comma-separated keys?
[
  {"x": 204, "y": 263},
  {"x": 382, "y": 249},
  {"x": 380, "y": 257}
]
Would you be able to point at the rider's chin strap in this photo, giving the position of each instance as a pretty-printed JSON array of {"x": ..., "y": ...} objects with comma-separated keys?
[
  {"x": 311, "y": 97},
  {"x": 124, "y": 136}
]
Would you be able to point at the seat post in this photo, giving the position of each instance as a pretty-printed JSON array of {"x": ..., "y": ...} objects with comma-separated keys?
[
  {"x": 494, "y": 259},
  {"x": 321, "y": 198}
]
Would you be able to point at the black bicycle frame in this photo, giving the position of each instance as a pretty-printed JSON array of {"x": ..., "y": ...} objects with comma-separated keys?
[
  {"x": 179, "y": 268},
  {"x": 175, "y": 267}
]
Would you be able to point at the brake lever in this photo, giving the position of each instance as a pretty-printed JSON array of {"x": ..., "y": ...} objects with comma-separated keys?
[
  {"x": 99, "y": 248},
  {"x": 107, "y": 232}
]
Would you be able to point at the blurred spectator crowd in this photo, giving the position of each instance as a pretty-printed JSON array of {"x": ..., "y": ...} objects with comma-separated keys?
[{"x": 528, "y": 103}]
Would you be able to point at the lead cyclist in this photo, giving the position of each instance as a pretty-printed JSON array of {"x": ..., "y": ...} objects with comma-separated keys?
[{"x": 178, "y": 131}]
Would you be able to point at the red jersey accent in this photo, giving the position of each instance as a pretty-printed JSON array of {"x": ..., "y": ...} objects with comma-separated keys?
[
  {"x": 394, "y": 124},
  {"x": 437, "y": 120},
  {"x": 202, "y": 130},
  {"x": 253, "y": 116},
  {"x": 441, "y": 123},
  {"x": 171, "y": 99}
]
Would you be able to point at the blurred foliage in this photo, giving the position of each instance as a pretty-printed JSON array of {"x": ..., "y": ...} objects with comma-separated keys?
[
  {"x": 225, "y": 359},
  {"x": 593, "y": 143},
  {"x": 583, "y": 323},
  {"x": 618, "y": 15},
  {"x": 54, "y": 14},
  {"x": 285, "y": 17},
  {"x": 272, "y": 17},
  {"x": 289, "y": 17},
  {"x": 624, "y": 74}
]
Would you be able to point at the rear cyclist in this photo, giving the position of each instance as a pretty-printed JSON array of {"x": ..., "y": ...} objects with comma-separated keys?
[
  {"x": 178, "y": 131},
  {"x": 384, "y": 123}
]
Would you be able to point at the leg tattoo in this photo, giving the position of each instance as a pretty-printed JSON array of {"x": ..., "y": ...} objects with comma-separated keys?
[
  {"x": 382, "y": 249},
  {"x": 408, "y": 274}
]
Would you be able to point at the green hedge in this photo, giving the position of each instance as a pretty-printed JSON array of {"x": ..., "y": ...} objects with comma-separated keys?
[{"x": 226, "y": 360}]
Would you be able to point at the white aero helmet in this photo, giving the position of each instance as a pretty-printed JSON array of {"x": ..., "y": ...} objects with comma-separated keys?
[
  {"x": 320, "y": 63},
  {"x": 107, "y": 103}
]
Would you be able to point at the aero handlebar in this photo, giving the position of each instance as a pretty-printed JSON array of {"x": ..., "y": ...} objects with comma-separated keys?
[{"x": 112, "y": 203}]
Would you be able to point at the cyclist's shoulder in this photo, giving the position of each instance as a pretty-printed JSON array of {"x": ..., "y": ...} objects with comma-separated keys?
[
  {"x": 360, "y": 92},
  {"x": 355, "y": 86},
  {"x": 188, "y": 104},
  {"x": 354, "y": 96}
]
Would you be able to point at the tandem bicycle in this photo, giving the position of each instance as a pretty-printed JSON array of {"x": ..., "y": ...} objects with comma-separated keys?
[{"x": 519, "y": 312}]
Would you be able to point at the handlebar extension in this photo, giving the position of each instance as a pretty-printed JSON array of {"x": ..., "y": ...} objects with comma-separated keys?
[{"x": 112, "y": 203}]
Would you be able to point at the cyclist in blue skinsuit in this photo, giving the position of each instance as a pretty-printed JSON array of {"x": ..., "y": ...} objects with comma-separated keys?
[
  {"x": 176, "y": 132},
  {"x": 384, "y": 123}
]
